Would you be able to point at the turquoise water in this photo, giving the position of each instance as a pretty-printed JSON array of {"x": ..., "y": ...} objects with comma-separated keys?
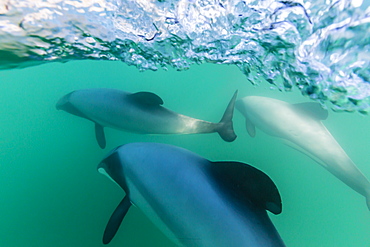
[{"x": 52, "y": 194}]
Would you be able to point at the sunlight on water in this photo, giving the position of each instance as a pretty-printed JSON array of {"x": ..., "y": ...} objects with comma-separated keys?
[{"x": 321, "y": 47}]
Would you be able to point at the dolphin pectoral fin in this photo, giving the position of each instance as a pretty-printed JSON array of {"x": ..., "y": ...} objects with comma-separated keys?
[
  {"x": 116, "y": 220},
  {"x": 146, "y": 98},
  {"x": 313, "y": 109},
  {"x": 247, "y": 184},
  {"x": 99, "y": 134},
  {"x": 250, "y": 128}
]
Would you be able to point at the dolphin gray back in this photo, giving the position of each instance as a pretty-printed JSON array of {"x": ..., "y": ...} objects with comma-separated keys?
[{"x": 238, "y": 193}]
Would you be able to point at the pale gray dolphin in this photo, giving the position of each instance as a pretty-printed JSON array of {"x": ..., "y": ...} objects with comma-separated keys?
[
  {"x": 193, "y": 201},
  {"x": 139, "y": 112},
  {"x": 300, "y": 124}
]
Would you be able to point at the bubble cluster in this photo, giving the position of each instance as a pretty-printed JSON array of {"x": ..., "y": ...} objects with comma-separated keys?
[{"x": 320, "y": 47}]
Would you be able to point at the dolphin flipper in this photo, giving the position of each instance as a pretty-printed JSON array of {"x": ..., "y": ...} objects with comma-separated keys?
[
  {"x": 116, "y": 220},
  {"x": 247, "y": 184},
  {"x": 250, "y": 127},
  {"x": 99, "y": 134}
]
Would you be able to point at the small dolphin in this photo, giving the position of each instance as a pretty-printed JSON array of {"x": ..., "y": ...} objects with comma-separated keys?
[
  {"x": 193, "y": 201},
  {"x": 300, "y": 124},
  {"x": 139, "y": 112}
]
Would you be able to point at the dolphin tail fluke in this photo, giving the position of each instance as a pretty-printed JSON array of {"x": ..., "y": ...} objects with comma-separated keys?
[{"x": 226, "y": 129}]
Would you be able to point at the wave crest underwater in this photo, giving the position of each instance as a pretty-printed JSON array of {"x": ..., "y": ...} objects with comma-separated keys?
[{"x": 320, "y": 47}]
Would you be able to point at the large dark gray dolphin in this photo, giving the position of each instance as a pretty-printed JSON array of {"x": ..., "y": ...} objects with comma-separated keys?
[
  {"x": 139, "y": 112},
  {"x": 193, "y": 201}
]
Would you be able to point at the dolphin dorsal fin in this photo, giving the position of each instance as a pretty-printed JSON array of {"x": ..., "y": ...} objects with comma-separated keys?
[
  {"x": 313, "y": 109},
  {"x": 250, "y": 127},
  {"x": 116, "y": 220},
  {"x": 146, "y": 98},
  {"x": 247, "y": 184}
]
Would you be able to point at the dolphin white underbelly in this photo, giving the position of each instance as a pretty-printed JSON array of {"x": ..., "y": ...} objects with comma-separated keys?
[{"x": 300, "y": 124}]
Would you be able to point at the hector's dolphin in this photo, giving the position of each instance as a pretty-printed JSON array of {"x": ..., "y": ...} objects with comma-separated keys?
[
  {"x": 300, "y": 124},
  {"x": 193, "y": 201},
  {"x": 139, "y": 112}
]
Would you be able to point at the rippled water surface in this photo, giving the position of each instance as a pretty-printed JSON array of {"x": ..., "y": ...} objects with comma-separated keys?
[{"x": 321, "y": 47}]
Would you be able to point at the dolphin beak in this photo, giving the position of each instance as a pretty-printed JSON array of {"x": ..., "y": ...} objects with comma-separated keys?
[
  {"x": 103, "y": 169},
  {"x": 103, "y": 166},
  {"x": 239, "y": 105},
  {"x": 111, "y": 167},
  {"x": 63, "y": 102}
]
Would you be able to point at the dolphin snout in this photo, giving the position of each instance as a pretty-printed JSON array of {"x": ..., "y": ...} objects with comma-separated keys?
[
  {"x": 61, "y": 104},
  {"x": 239, "y": 105}
]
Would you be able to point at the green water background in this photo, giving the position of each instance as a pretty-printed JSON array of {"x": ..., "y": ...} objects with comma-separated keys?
[{"x": 52, "y": 195}]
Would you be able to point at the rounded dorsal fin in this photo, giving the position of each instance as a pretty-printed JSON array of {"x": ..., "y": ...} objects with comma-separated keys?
[
  {"x": 146, "y": 98},
  {"x": 247, "y": 184}
]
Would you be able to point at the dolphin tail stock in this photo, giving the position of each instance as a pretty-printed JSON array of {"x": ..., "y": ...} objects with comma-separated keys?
[{"x": 225, "y": 127}]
